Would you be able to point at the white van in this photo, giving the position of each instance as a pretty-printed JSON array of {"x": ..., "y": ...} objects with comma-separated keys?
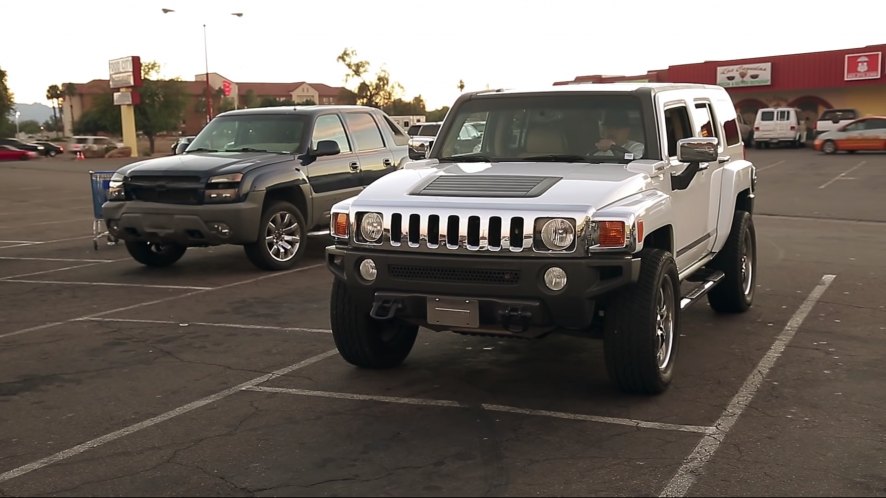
[{"x": 779, "y": 125}]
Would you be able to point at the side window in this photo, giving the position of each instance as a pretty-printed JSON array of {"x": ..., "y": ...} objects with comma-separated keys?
[
  {"x": 876, "y": 124},
  {"x": 767, "y": 116},
  {"x": 413, "y": 130},
  {"x": 857, "y": 126},
  {"x": 784, "y": 115},
  {"x": 677, "y": 127},
  {"x": 400, "y": 138},
  {"x": 365, "y": 132},
  {"x": 329, "y": 127}
]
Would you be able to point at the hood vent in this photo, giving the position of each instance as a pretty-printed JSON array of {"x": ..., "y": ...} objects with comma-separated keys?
[{"x": 486, "y": 186}]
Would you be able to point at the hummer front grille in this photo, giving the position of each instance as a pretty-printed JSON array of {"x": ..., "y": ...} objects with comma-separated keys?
[{"x": 457, "y": 275}]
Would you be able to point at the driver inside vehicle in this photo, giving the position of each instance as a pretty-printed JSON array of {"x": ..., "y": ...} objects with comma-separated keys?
[{"x": 616, "y": 139}]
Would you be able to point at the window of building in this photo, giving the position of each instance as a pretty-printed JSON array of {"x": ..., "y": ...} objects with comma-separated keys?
[
  {"x": 329, "y": 127},
  {"x": 364, "y": 131}
]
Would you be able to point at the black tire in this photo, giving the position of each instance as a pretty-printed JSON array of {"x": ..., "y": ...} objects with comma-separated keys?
[
  {"x": 281, "y": 238},
  {"x": 155, "y": 255},
  {"x": 738, "y": 261},
  {"x": 829, "y": 147},
  {"x": 364, "y": 341},
  {"x": 51, "y": 153},
  {"x": 641, "y": 327}
]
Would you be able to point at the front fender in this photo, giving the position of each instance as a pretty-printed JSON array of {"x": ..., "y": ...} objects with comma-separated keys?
[{"x": 737, "y": 177}]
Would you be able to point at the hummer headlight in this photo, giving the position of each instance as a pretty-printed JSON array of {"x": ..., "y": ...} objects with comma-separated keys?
[
  {"x": 557, "y": 234},
  {"x": 371, "y": 227}
]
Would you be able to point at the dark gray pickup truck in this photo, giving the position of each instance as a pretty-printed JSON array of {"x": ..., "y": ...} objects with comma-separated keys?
[{"x": 260, "y": 178}]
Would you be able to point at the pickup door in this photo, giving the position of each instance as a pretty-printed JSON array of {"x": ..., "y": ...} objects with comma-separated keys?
[
  {"x": 376, "y": 160},
  {"x": 333, "y": 178}
]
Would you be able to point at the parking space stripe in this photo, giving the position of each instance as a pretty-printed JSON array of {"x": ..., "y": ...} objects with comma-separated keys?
[
  {"x": 770, "y": 166},
  {"x": 162, "y": 300},
  {"x": 207, "y": 324},
  {"x": 56, "y": 270},
  {"x": 62, "y": 260},
  {"x": 54, "y": 222},
  {"x": 104, "y": 284},
  {"x": 640, "y": 424},
  {"x": 80, "y": 448},
  {"x": 26, "y": 244},
  {"x": 693, "y": 466},
  {"x": 842, "y": 175}
]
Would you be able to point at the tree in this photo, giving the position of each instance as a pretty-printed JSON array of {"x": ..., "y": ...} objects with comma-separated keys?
[
  {"x": 306, "y": 102},
  {"x": 400, "y": 107},
  {"x": 69, "y": 90},
  {"x": 30, "y": 127},
  {"x": 54, "y": 94},
  {"x": 103, "y": 117},
  {"x": 250, "y": 100},
  {"x": 162, "y": 104},
  {"x": 274, "y": 102},
  {"x": 379, "y": 92},
  {"x": 7, "y": 106},
  {"x": 438, "y": 114}
]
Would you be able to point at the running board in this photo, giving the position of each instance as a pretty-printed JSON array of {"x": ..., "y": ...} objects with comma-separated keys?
[{"x": 699, "y": 292}]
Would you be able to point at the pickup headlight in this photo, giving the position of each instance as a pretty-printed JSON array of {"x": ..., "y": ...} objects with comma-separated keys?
[
  {"x": 116, "y": 191},
  {"x": 371, "y": 227},
  {"x": 223, "y": 188},
  {"x": 556, "y": 234}
]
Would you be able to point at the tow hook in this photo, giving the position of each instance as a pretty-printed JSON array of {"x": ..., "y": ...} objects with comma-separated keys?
[
  {"x": 385, "y": 309},
  {"x": 515, "y": 319}
]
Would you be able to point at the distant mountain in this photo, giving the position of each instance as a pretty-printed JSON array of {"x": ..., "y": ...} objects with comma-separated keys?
[{"x": 36, "y": 112}]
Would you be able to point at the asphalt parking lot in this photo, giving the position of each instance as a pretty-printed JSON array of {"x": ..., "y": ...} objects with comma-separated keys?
[{"x": 214, "y": 378}]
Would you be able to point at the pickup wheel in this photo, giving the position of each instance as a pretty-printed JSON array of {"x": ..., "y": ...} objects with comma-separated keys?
[
  {"x": 641, "y": 327},
  {"x": 280, "y": 241},
  {"x": 364, "y": 341},
  {"x": 153, "y": 254},
  {"x": 738, "y": 261}
]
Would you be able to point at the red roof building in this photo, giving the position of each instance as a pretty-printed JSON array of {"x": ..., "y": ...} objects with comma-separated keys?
[{"x": 813, "y": 82}]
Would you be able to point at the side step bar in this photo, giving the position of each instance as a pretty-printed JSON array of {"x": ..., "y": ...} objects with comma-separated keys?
[{"x": 699, "y": 292}]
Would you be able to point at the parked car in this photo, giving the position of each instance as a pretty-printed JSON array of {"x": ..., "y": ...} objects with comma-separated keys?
[
  {"x": 420, "y": 143},
  {"x": 50, "y": 149},
  {"x": 262, "y": 178},
  {"x": 10, "y": 153},
  {"x": 831, "y": 119},
  {"x": 868, "y": 133},
  {"x": 180, "y": 145},
  {"x": 92, "y": 145},
  {"x": 18, "y": 144},
  {"x": 781, "y": 125}
]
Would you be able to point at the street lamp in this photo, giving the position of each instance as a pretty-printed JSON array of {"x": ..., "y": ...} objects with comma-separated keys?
[
  {"x": 17, "y": 114},
  {"x": 206, "y": 62}
]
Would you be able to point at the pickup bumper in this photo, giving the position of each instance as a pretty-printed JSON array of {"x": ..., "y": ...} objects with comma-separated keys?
[
  {"x": 508, "y": 294},
  {"x": 188, "y": 225}
]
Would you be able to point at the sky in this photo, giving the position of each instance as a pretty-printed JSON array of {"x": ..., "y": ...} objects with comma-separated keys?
[{"x": 427, "y": 47}]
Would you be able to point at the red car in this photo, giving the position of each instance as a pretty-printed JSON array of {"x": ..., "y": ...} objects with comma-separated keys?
[{"x": 10, "y": 153}]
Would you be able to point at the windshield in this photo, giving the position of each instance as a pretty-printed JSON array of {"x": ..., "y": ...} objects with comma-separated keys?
[
  {"x": 278, "y": 133},
  {"x": 562, "y": 128}
]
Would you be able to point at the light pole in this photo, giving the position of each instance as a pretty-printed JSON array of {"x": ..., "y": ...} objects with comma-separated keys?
[
  {"x": 206, "y": 62},
  {"x": 17, "y": 114}
]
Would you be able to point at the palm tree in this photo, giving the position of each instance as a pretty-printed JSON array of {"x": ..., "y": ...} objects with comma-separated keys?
[
  {"x": 69, "y": 91},
  {"x": 54, "y": 93}
]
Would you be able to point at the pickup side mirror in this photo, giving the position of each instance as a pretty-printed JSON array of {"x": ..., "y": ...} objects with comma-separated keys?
[
  {"x": 326, "y": 148},
  {"x": 693, "y": 151},
  {"x": 419, "y": 150}
]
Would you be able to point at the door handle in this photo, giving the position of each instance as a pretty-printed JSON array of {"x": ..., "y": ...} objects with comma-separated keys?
[
  {"x": 387, "y": 162},
  {"x": 724, "y": 159},
  {"x": 355, "y": 166}
]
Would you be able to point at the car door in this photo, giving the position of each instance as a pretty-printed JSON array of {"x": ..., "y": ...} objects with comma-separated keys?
[
  {"x": 783, "y": 124},
  {"x": 853, "y": 136},
  {"x": 375, "y": 159},
  {"x": 693, "y": 236},
  {"x": 332, "y": 178},
  {"x": 876, "y": 131}
]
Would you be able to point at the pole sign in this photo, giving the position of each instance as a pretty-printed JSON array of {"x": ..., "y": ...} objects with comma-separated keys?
[{"x": 125, "y": 72}]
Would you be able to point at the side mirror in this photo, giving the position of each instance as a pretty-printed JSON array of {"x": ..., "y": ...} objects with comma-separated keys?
[
  {"x": 693, "y": 151},
  {"x": 835, "y": 120},
  {"x": 326, "y": 148}
]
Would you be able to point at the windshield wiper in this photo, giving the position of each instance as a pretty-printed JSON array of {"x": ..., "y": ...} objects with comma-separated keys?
[
  {"x": 246, "y": 149},
  {"x": 472, "y": 158},
  {"x": 564, "y": 158},
  {"x": 201, "y": 149}
]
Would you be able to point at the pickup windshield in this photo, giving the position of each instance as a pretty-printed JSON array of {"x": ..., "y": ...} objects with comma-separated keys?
[
  {"x": 545, "y": 128},
  {"x": 278, "y": 133}
]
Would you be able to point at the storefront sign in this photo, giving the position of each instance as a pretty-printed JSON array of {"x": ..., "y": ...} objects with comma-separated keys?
[
  {"x": 125, "y": 72},
  {"x": 863, "y": 66},
  {"x": 757, "y": 74}
]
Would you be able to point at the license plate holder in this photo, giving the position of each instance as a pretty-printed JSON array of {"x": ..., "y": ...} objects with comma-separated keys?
[{"x": 454, "y": 312}]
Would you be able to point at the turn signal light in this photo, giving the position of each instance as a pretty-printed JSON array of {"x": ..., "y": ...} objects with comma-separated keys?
[
  {"x": 612, "y": 233},
  {"x": 340, "y": 225}
]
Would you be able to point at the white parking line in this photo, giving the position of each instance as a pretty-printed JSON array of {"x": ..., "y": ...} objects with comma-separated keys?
[
  {"x": 80, "y": 448},
  {"x": 26, "y": 244},
  {"x": 640, "y": 424},
  {"x": 61, "y": 260},
  {"x": 104, "y": 284},
  {"x": 764, "y": 168},
  {"x": 54, "y": 222},
  {"x": 56, "y": 270},
  {"x": 842, "y": 175},
  {"x": 208, "y": 324},
  {"x": 158, "y": 301},
  {"x": 693, "y": 466}
]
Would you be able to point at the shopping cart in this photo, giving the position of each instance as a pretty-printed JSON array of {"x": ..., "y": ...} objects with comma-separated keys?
[{"x": 99, "y": 181}]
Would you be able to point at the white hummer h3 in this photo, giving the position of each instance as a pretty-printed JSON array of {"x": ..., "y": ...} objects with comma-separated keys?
[{"x": 597, "y": 210}]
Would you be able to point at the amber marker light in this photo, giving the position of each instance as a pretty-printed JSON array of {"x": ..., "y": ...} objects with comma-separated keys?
[
  {"x": 612, "y": 233},
  {"x": 340, "y": 225}
]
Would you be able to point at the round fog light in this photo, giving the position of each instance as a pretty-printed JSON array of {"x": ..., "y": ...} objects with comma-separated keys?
[
  {"x": 368, "y": 271},
  {"x": 555, "y": 278}
]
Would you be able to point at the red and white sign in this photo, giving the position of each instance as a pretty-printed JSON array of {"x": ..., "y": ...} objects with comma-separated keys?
[
  {"x": 125, "y": 72},
  {"x": 863, "y": 66}
]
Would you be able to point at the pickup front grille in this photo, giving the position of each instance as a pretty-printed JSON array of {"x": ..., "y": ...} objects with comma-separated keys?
[
  {"x": 455, "y": 275},
  {"x": 165, "y": 189}
]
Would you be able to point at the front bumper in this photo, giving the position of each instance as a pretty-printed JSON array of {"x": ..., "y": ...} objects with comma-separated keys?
[
  {"x": 188, "y": 225},
  {"x": 510, "y": 291}
]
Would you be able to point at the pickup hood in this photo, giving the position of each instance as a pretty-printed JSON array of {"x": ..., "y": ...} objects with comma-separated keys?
[
  {"x": 516, "y": 185},
  {"x": 203, "y": 164}
]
